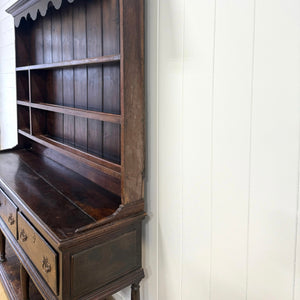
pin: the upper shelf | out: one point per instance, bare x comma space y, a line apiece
72, 63
94, 115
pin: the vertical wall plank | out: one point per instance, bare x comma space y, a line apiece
274, 181
150, 242
197, 115
171, 22
296, 288
231, 144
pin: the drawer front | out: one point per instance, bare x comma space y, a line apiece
8, 212
39, 251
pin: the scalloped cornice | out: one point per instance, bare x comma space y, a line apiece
23, 8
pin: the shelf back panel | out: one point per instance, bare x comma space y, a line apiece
101, 139
83, 29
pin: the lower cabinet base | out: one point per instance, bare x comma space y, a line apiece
19, 286
10, 278
11, 281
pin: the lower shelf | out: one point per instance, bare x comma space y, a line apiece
10, 278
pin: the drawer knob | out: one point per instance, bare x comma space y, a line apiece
46, 266
11, 219
23, 236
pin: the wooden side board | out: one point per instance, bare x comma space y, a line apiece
132, 99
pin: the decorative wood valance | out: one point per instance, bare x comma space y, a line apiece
24, 8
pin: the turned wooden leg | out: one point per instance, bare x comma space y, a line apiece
2, 247
24, 283
135, 291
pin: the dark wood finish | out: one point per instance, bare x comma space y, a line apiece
73, 63
135, 291
132, 86
40, 253
23, 118
95, 162
92, 115
99, 265
75, 181
22, 86
8, 212
10, 277
69, 202
24, 278
2, 247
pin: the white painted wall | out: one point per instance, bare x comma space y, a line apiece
223, 112
8, 115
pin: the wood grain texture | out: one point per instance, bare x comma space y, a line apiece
132, 81
40, 253
10, 286
75, 115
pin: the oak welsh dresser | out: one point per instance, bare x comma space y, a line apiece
72, 190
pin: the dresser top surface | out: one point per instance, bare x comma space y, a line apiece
62, 199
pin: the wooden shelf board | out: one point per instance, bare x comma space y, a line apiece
93, 115
102, 165
72, 63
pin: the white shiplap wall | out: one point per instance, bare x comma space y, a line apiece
223, 146
223, 116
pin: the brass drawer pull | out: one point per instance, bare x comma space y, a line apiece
23, 236
46, 266
11, 219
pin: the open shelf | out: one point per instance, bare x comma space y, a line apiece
23, 118
93, 115
72, 63
103, 165
22, 85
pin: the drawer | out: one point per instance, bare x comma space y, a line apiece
8, 212
39, 251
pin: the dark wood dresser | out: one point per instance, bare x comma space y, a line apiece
72, 191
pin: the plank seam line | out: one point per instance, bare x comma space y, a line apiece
157, 146
212, 144
181, 138
250, 148
297, 216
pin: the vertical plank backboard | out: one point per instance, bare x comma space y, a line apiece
274, 180
80, 73
57, 84
94, 49
68, 74
47, 38
36, 42
150, 240
231, 144
111, 78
